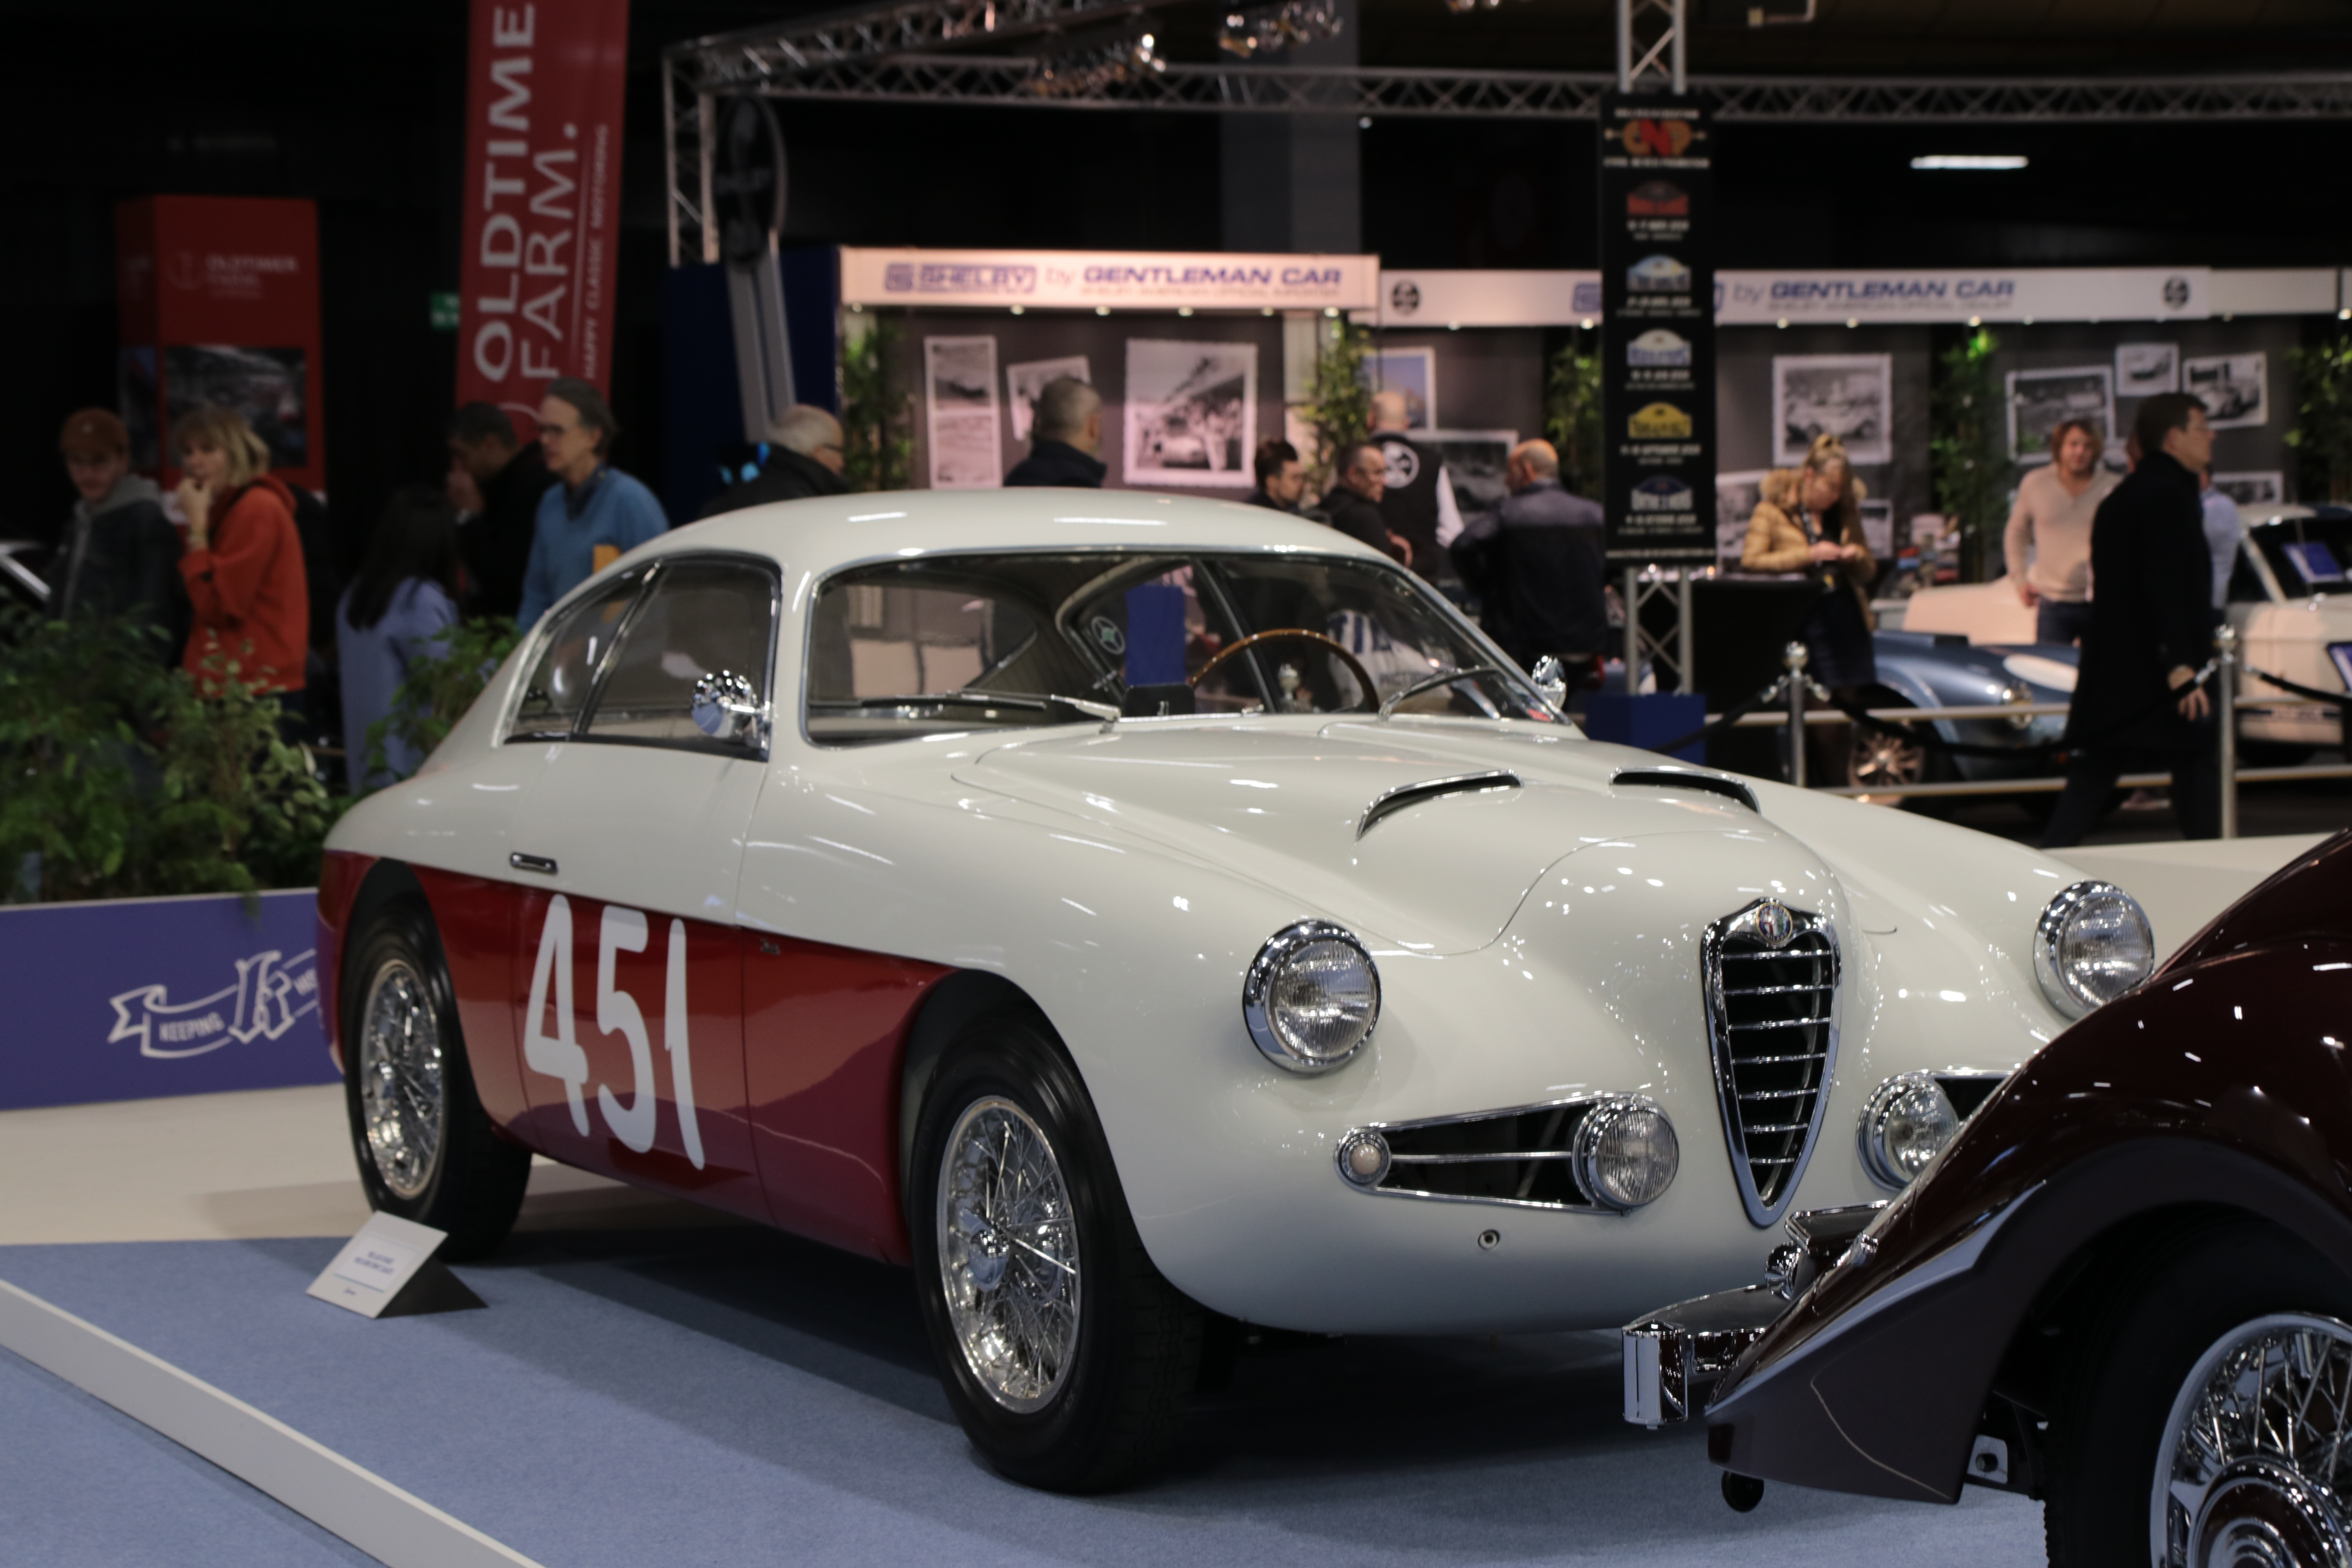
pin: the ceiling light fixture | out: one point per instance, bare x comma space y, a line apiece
1969, 160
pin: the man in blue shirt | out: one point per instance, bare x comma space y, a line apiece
596, 514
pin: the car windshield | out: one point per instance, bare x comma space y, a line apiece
2307, 554
957, 642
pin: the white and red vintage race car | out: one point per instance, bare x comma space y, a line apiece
1144, 916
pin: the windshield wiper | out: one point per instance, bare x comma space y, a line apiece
986, 699
1445, 676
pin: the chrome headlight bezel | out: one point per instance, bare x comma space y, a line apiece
1871, 1131
1258, 987
1607, 1115
2057, 922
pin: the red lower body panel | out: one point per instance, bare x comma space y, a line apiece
475, 919
341, 872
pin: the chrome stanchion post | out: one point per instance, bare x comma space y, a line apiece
1633, 631
1793, 656
1688, 663
2225, 702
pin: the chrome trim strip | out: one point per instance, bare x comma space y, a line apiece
1673, 778
539, 863
1390, 802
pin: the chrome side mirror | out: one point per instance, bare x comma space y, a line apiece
1551, 683
726, 708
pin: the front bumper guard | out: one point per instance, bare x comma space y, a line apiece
1675, 1356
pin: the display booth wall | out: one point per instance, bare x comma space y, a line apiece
1748, 416
1104, 343
1482, 379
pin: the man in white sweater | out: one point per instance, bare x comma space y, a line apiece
2047, 541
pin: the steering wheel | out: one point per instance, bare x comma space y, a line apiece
1371, 696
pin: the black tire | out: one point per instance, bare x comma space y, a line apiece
2109, 1433
1100, 1407
434, 1157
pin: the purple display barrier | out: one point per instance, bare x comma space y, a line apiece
132, 998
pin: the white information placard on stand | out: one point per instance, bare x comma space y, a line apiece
387, 1270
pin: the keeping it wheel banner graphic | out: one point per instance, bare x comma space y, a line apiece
542, 199
1657, 330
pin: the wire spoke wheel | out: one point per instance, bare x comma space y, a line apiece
402, 1099
1880, 760
1008, 1251
2253, 1469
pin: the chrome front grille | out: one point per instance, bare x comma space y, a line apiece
1770, 975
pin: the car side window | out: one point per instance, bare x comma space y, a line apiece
574, 651
701, 621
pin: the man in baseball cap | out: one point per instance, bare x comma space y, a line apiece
121, 554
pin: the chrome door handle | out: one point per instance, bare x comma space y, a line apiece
539, 863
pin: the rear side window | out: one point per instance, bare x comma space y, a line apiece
700, 618
565, 675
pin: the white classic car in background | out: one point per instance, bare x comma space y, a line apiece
1146, 916
2290, 600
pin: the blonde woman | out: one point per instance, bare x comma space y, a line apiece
244, 559
1814, 526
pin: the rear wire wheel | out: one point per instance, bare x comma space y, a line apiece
426, 1150
1066, 1354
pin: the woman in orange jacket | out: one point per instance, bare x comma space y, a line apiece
244, 559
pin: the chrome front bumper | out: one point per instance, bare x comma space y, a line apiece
1675, 1356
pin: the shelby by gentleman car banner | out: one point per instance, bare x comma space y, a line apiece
135, 999
542, 197
1082, 280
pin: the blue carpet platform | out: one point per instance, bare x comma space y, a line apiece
737, 1397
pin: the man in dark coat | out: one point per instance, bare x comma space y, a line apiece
804, 460
1418, 502
1354, 504
1065, 439
510, 478
2152, 628
1536, 565
120, 555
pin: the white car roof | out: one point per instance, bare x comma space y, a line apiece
818, 534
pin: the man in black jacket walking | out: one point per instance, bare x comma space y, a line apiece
1066, 441
804, 459
1536, 565
494, 543
2150, 630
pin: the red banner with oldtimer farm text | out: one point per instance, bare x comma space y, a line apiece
542, 197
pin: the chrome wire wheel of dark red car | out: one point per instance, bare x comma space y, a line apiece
1009, 1263
2253, 1466
403, 1098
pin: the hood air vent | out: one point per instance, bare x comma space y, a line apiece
1404, 796
1704, 784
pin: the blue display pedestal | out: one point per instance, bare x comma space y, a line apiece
1645, 721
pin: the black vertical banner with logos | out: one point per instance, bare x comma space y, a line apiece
1657, 329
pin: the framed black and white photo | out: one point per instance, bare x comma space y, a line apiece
1851, 396
2143, 370
1413, 371
2235, 388
1192, 413
959, 407
2253, 489
1736, 496
1022, 382
1474, 463
2041, 400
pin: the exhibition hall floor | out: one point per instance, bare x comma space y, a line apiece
652, 1382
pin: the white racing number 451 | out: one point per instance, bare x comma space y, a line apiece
559, 1056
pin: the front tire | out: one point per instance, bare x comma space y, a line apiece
1064, 1354
426, 1148
2208, 1432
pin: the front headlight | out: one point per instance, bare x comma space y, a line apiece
1906, 1124
1311, 997
1625, 1154
2091, 944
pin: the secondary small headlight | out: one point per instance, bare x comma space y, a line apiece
1311, 997
1625, 1153
2091, 944
1906, 1124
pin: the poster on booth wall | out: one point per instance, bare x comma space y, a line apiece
960, 411
1735, 498
2235, 388
2143, 370
2041, 400
542, 199
2253, 489
1413, 371
1023, 383
1851, 396
1476, 462
1192, 414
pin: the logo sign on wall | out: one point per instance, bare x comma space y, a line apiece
1657, 330
542, 197
1072, 279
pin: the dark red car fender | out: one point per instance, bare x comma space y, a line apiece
341, 872
2225, 1083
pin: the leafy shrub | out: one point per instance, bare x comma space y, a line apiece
438, 689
